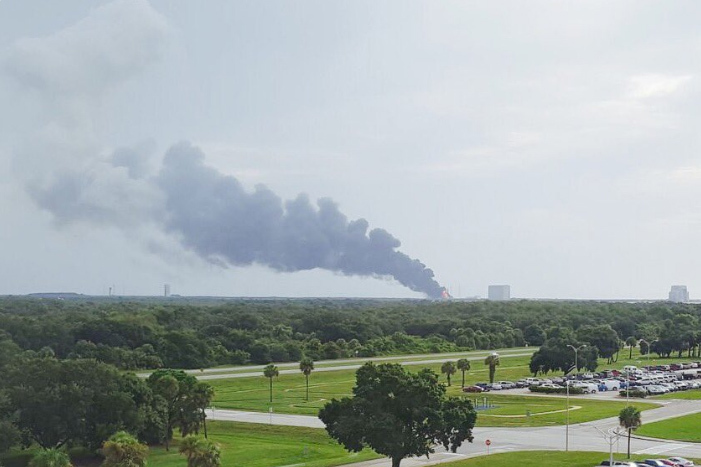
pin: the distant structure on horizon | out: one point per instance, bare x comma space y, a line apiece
499, 292
166, 290
678, 294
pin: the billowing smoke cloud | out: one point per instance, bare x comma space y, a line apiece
67, 172
218, 219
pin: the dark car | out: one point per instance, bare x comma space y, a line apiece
474, 389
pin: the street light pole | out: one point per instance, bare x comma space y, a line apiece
649, 348
576, 350
567, 390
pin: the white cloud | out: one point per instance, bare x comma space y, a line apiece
656, 85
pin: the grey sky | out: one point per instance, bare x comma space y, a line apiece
548, 145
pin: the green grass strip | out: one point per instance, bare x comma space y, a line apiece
685, 428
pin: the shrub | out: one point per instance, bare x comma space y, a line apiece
123, 450
200, 452
50, 458
641, 393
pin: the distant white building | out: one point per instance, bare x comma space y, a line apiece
499, 292
678, 294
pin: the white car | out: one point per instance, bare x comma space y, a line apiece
587, 387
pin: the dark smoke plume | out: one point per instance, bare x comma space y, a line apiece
65, 169
215, 217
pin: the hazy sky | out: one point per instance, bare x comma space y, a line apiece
549, 145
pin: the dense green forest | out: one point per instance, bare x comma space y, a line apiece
60, 359
190, 333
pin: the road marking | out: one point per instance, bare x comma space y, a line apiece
660, 449
574, 407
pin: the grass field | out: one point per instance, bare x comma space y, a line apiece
692, 394
684, 428
289, 396
519, 411
251, 445
289, 389
541, 459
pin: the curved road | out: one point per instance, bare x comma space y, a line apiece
582, 437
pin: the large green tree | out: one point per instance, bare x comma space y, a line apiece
630, 419
398, 414
74, 401
184, 398
603, 337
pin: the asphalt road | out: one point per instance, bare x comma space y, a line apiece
590, 436
293, 368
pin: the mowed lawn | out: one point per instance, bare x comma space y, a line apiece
252, 393
519, 411
253, 445
691, 394
685, 428
289, 396
541, 459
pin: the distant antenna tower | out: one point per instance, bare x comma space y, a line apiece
166, 290
110, 291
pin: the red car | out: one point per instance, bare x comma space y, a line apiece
474, 389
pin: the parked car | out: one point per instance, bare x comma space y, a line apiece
588, 388
495, 387
654, 462
474, 389
507, 384
610, 385
681, 461
668, 462
655, 389
626, 463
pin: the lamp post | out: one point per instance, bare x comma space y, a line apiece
567, 385
649, 348
576, 350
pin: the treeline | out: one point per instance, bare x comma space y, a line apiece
195, 334
62, 404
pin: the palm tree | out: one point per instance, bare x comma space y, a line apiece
202, 396
631, 342
200, 452
463, 365
493, 362
123, 450
448, 368
270, 372
306, 365
630, 419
